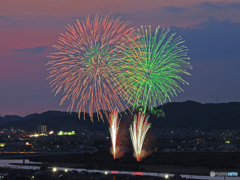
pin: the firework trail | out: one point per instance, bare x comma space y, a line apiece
162, 59
113, 129
138, 131
88, 66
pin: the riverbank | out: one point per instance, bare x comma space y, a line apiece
202, 171
156, 172
166, 169
69, 165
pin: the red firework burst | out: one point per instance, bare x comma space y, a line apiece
88, 65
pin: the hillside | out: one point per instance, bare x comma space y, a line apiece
194, 114
9, 118
180, 114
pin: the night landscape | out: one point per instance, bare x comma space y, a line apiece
119, 90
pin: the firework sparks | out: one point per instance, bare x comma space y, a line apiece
88, 66
113, 129
163, 58
138, 131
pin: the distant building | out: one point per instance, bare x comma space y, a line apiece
41, 128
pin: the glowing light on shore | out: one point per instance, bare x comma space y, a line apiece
54, 169
113, 129
138, 131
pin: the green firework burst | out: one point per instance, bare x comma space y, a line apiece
161, 59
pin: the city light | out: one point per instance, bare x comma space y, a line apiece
2, 144
166, 176
60, 133
36, 135
66, 170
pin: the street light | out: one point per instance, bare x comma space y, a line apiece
166, 176
54, 169
54, 172
66, 170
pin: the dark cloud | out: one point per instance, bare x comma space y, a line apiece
219, 6
173, 9
213, 6
5, 18
212, 40
35, 50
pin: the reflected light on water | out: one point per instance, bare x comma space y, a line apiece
137, 173
114, 172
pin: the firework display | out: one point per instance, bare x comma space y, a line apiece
113, 129
102, 63
138, 131
162, 60
88, 66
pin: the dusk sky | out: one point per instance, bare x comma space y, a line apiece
29, 29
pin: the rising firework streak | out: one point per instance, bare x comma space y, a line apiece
138, 131
113, 128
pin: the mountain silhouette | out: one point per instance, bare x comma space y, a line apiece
9, 118
12, 117
177, 114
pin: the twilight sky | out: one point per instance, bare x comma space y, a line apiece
29, 29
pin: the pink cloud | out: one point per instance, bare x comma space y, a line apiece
73, 7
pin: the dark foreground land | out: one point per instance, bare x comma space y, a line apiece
22, 174
194, 163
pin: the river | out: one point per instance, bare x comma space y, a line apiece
6, 163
